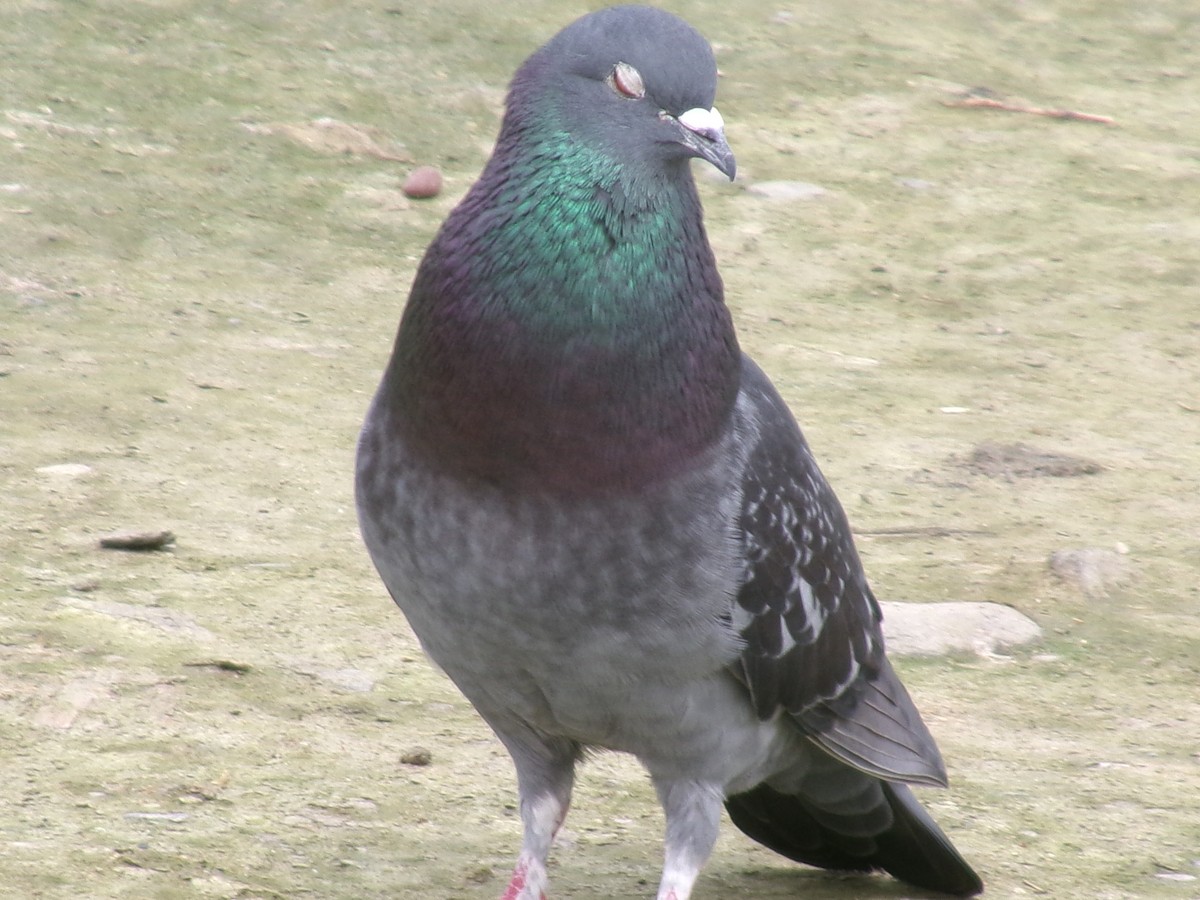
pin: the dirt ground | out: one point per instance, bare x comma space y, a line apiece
204, 255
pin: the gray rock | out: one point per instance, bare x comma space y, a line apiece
168, 620
1094, 570
65, 470
786, 190
932, 629
349, 679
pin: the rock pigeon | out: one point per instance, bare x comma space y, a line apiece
596, 512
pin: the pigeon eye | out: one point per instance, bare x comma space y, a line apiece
627, 80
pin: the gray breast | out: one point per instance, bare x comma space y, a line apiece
551, 611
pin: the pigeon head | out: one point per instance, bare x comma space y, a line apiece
635, 82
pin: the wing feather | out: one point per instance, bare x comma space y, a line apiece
810, 626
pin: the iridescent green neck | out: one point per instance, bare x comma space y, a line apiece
582, 250
566, 327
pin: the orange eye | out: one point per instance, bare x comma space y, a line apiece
627, 80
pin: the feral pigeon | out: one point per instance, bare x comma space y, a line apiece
599, 516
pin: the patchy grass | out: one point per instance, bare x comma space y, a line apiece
195, 304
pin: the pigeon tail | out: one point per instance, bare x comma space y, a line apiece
912, 847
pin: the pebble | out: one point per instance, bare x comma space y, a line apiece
137, 540
65, 470
158, 816
1094, 570
417, 756
168, 620
786, 190
347, 679
422, 182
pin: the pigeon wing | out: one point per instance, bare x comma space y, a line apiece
813, 643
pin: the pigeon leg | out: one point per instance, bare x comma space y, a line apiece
545, 777
693, 811
541, 816
526, 882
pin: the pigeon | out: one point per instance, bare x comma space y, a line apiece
598, 515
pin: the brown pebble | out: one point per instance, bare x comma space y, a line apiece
422, 182
417, 756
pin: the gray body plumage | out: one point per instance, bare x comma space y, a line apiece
604, 621
614, 622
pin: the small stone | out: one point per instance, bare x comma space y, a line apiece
422, 182
158, 816
65, 470
417, 756
787, 190
345, 679
348, 679
1022, 461
168, 620
137, 540
222, 665
1094, 570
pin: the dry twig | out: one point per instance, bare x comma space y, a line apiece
977, 99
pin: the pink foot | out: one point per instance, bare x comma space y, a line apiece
517, 884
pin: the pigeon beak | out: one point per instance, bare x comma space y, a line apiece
704, 135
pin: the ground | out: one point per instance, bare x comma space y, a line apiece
205, 253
